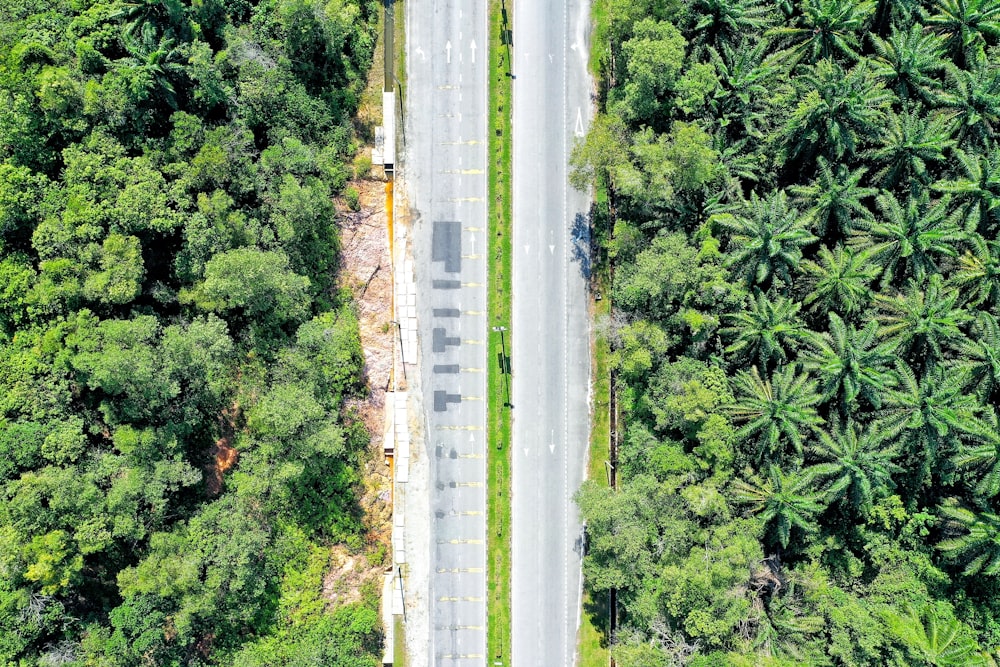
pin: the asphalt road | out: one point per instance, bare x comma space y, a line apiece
444, 168
550, 329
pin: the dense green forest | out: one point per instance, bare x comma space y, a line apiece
802, 202
168, 252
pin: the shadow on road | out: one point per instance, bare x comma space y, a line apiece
580, 238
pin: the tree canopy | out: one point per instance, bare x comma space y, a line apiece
176, 460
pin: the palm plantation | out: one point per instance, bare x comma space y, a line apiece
820, 397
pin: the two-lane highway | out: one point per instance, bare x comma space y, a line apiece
550, 329
444, 168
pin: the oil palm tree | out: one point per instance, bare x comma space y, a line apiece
967, 26
931, 417
767, 331
850, 363
973, 96
976, 191
746, 81
152, 66
921, 322
857, 463
981, 460
909, 239
767, 238
825, 29
835, 111
909, 61
909, 144
783, 501
834, 199
973, 538
978, 275
890, 13
979, 357
723, 21
931, 641
840, 279
776, 412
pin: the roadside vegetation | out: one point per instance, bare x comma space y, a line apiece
498, 441
175, 460
804, 213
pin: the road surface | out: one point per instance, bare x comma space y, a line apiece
551, 359
444, 168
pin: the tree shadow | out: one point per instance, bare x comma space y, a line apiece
580, 244
596, 607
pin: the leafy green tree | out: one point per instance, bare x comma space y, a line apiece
840, 280
857, 463
783, 502
850, 363
653, 59
767, 331
826, 29
258, 283
774, 413
834, 199
767, 238
909, 62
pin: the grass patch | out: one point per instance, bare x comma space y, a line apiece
398, 643
499, 290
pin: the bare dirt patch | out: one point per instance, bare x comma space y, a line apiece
366, 271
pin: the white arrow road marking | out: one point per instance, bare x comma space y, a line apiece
579, 122
525, 451
526, 246
472, 45
552, 249
420, 52
447, 48
573, 46
472, 242
550, 58
552, 444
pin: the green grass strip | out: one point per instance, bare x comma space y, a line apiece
498, 441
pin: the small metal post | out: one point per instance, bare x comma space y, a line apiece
504, 367
402, 358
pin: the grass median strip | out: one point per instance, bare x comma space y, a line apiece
499, 231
